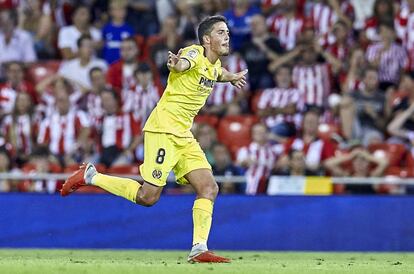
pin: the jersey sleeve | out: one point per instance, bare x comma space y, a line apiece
192, 55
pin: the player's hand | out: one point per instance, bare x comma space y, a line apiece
239, 79
173, 59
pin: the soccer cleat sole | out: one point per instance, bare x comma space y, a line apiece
208, 257
74, 182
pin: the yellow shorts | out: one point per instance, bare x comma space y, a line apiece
164, 152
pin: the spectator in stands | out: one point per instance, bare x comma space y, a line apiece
383, 11
46, 93
41, 162
187, 20
15, 44
167, 40
325, 13
77, 70
223, 166
287, 25
316, 151
259, 51
361, 160
5, 166
401, 127
387, 56
115, 31
309, 75
91, 101
225, 94
119, 132
19, 128
121, 73
15, 84
405, 29
36, 18
144, 96
296, 165
238, 18
66, 131
280, 106
69, 35
357, 65
259, 158
142, 16
363, 113
339, 44
206, 136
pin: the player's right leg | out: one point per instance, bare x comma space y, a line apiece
145, 194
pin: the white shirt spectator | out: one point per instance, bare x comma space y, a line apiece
73, 70
68, 37
20, 48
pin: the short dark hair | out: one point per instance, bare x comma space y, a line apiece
82, 38
112, 92
142, 68
92, 70
207, 24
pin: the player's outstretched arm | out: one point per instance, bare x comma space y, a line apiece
236, 79
177, 64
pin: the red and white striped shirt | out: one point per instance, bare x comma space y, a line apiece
46, 106
313, 82
61, 131
287, 30
392, 61
224, 93
7, 98
264, 158
94, 107
315, 152
324, 17
118, 130
280, 98
403, 22
140, 101
21, 131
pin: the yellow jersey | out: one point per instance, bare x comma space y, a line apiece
185, 94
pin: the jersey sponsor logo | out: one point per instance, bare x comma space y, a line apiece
157, 174
206, 82
192, 53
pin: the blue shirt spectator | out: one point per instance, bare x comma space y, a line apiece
114, 32
239, 22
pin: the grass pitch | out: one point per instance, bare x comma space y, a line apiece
172, 262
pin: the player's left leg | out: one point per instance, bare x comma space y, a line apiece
206, 189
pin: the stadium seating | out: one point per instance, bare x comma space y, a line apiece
212, 120
394, 153
326, 131
39, 71
234, 131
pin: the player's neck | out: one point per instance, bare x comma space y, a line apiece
210, 55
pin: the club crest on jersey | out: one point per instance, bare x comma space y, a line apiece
192, 53
157, 174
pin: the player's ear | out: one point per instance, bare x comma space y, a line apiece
206, 39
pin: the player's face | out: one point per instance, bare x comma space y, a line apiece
220, 39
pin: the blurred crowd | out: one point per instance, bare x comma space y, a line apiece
331, 87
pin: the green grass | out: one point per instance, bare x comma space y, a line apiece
172, 262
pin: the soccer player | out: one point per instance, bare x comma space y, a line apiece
168, 142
